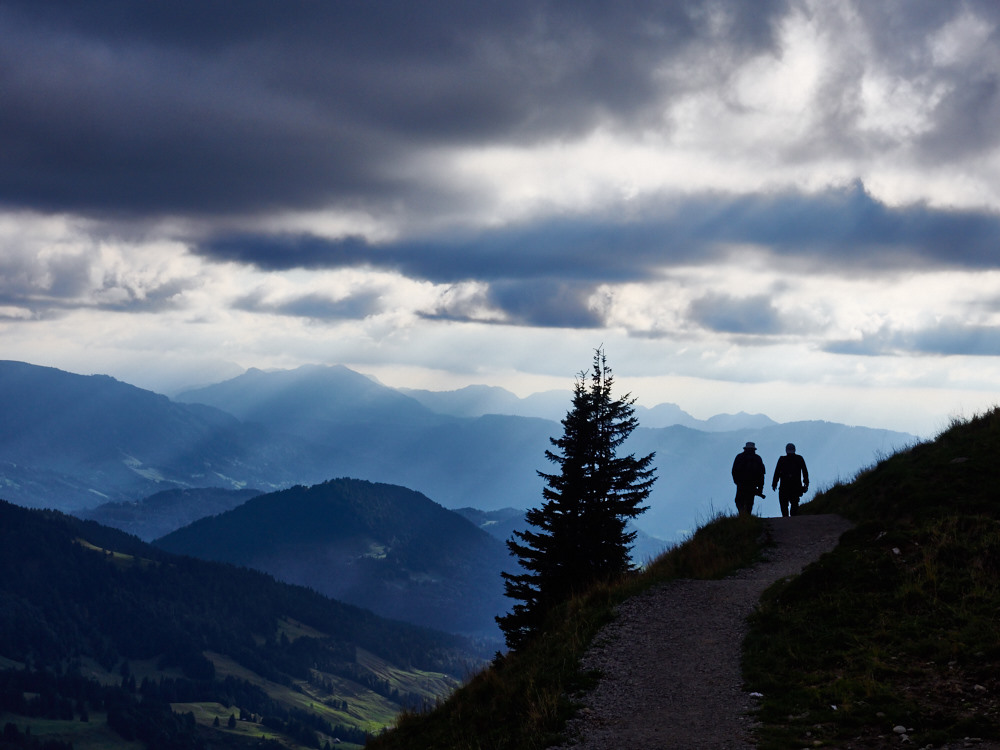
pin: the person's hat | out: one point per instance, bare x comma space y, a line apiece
750, 445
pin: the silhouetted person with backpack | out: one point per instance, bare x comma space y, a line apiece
748, 476
793, 475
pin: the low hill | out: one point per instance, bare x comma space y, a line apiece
159, 514
380, 546
94, 621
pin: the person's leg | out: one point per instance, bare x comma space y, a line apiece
744, 501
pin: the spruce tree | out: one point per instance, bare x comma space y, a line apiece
578, 536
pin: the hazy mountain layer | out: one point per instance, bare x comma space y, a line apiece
73, 442
491, 461
479, 400
159, 514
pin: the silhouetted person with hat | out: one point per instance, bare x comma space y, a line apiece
748, 475
793, 475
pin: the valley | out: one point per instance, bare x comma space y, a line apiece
307, 551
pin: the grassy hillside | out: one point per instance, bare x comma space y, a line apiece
522, 701
900, 626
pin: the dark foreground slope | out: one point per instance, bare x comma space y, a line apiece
380, 546
900, 627
897, 629
522, 702
95, 608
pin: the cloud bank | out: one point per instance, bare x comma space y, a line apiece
383, 183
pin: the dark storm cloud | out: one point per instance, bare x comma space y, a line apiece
585, 249
203, 107
538, 303
315, 306
947, 338
850, 228
546, 304
842, 231
755, 315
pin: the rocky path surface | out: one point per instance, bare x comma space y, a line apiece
670, 662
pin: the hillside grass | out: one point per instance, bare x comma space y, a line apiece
524, 699
94, 734
900, 625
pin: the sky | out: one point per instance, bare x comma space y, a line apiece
789, 208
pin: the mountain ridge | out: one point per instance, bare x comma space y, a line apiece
480, 400
125, 444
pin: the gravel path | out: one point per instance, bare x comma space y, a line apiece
670, 662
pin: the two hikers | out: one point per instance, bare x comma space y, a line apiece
748, 476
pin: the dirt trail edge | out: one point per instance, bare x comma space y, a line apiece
670, 662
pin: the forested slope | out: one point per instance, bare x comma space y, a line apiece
100, 606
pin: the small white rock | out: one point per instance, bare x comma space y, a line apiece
899, 729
